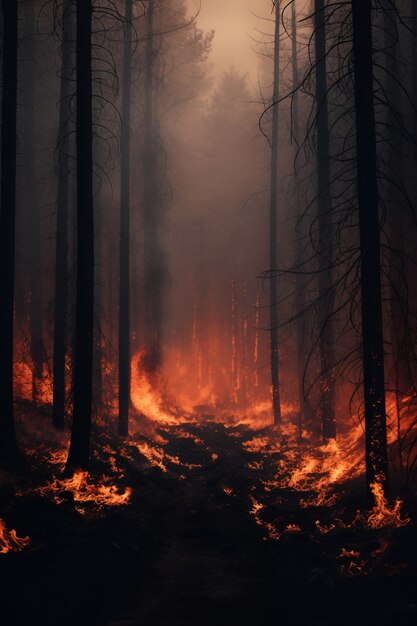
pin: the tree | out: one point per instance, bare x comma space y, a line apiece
124, 284
79, 452
61, 248
273, 219
154, 265
37, 350
301, 286
368, 206
324, 204
8, 444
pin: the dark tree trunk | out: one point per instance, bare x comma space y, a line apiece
325, 217
61, 249
8, 445
400, 378
301, 285
124, 284
37, 351
368, 204
98, 297
273, 223
79, 451
154, 270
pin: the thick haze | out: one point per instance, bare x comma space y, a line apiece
234, 24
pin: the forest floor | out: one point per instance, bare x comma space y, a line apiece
213, 533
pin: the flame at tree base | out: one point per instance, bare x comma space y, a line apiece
382, 515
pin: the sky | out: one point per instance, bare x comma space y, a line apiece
234, 25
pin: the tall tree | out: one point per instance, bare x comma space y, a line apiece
124, 281
61, 248
301, 286
273, 223
37, 351
8, 444
368, 205
154, 270
79, 451
325, 217
396, 206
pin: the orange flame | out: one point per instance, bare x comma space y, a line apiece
382, 515
9, 541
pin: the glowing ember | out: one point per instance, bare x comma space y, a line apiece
324, 529
270, 528
292, 528
9, 541
382, 514
350, 553
157, 456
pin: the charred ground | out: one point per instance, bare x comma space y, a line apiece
206, 533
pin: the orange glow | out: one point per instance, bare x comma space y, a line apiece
270, 528
23, 383
382, 515
9, 541
101, 494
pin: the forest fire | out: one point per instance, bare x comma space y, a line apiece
208, 312
9, 541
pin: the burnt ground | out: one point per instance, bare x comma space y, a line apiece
187, 551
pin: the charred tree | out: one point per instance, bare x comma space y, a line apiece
124, 250
79, 451
273, 224
400, 370
368, 206
325, 217
37, 350
301, 286
154, 270
8, 444
61, 248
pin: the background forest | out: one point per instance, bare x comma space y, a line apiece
208, 307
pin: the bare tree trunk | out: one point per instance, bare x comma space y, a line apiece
324, 205
400, 366
124, 284
61, 249
368, 204
37, 350
8, 444
301, 286
154, 265
79, 451
273, 220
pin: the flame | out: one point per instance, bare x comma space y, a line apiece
292, 528
382, 515
157, 456
102, 494
23, 383
9, 541
257, 507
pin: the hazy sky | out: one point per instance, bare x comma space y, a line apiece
234, 24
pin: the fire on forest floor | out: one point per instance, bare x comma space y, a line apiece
287, 487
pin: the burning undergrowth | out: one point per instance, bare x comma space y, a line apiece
306, 497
